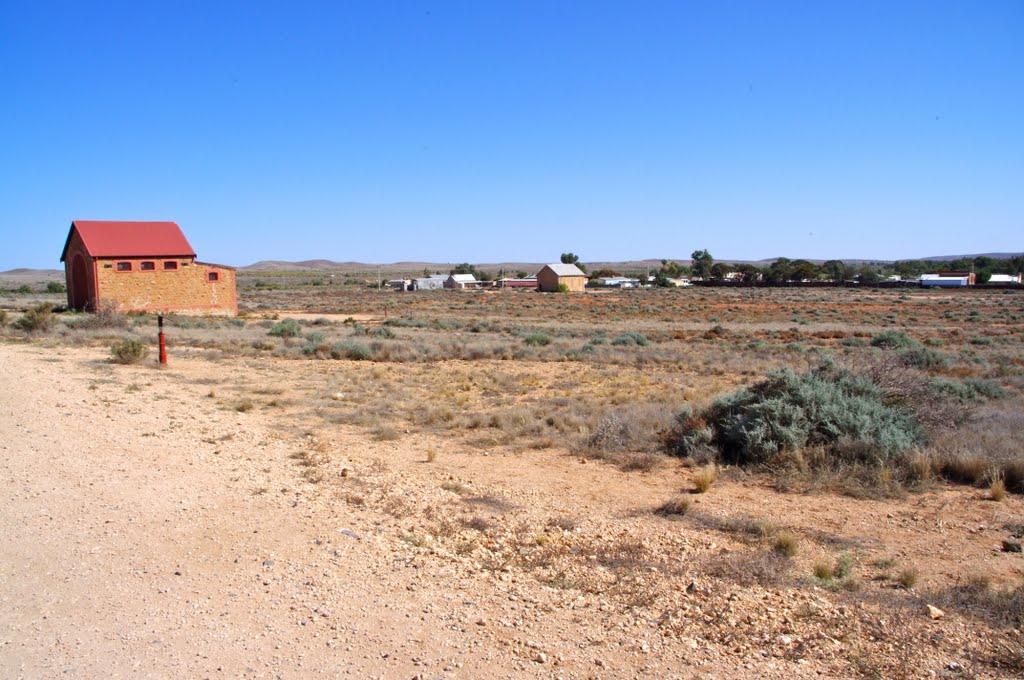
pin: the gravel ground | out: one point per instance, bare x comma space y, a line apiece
149, 531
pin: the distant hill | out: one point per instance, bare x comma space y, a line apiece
947, 258
23, 273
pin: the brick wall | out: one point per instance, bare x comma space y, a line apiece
185, 289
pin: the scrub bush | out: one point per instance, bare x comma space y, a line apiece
128, 351
630, 339
893, 340
38, 319
351, 350
830, 408
968, 390
286, 328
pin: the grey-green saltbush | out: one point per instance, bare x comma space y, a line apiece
828, 407
351, 350
968, 390
286, 328
631, 338
537, 338
922, 357
893, 340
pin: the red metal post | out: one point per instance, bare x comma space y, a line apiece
163, 345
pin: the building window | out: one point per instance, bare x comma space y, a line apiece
212, 276
147, 266
124, 266
170, 265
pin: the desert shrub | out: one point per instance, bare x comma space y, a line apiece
924, 358
23, 289
893, 340
631, 338
55, 287
980, 340
38, 319
351, 350
627, 429
538, 339
674, 507
963, 469
968, 390
827, 407
286, 328
128, 351
563, 288
1003, 606
3, 318
763, 567
381, 332
107, 314
316, 345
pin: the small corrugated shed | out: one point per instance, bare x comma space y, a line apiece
551, 276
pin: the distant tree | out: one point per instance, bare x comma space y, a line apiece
521, 274
702, 262
834, 270
464, 268
604, 274
982, 275
982, 262
719, 271
751, 273
573, 258
779, 270
868, 275
670, 270
1016, 264
801, 270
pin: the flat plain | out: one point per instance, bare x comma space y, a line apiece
486, 484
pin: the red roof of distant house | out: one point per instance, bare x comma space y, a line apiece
131, 239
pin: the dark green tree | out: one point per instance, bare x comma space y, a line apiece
779, 270
719, 271
573, 258
834, 269
801, 270
702, 263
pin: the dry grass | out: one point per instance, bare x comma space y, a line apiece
908, 577
704, 478
997, 490
786, 544
675, 507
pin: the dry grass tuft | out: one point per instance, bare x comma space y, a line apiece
786, 544
704, 478
997, 491
675, 507
908, 577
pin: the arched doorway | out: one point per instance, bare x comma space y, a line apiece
79, 284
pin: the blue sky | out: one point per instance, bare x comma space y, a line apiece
486, 131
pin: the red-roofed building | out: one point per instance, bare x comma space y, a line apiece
143, 266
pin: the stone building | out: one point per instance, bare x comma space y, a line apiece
143, 266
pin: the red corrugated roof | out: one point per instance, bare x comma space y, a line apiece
131, 239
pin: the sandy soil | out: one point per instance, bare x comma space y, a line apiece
149, 531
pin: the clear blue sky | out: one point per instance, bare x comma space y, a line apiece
491, 130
